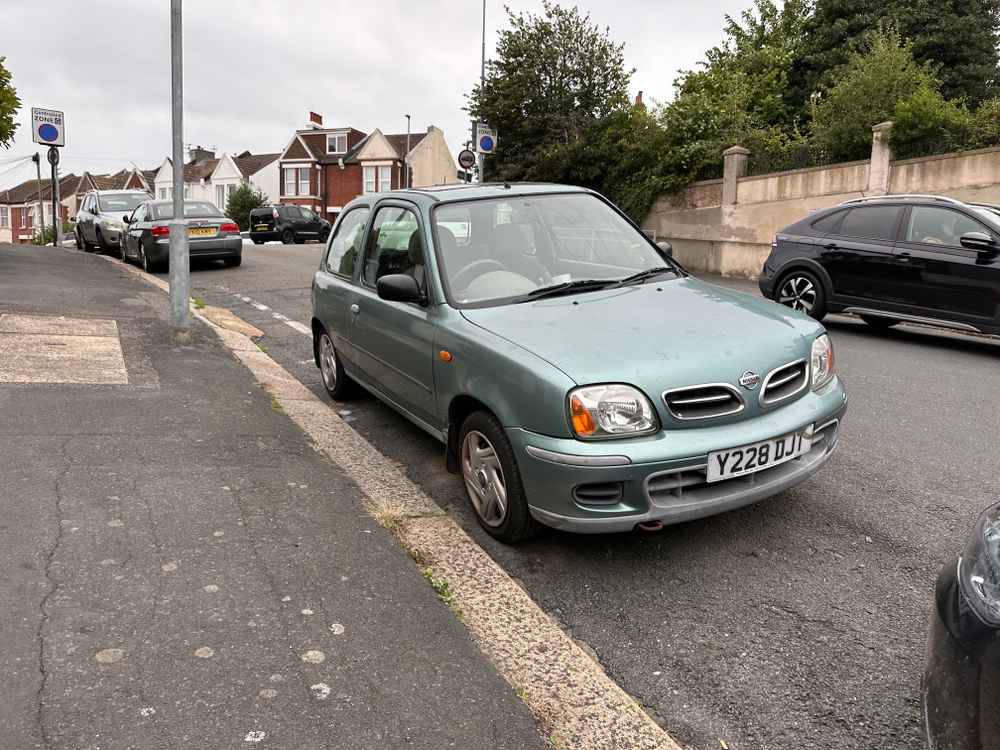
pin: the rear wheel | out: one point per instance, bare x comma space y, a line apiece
102, 245
338, 383
288, 237
802, 291
493, 481
233, 262
879, 323
258, 242
147, 265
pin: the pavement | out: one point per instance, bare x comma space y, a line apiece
797, 622
181, 567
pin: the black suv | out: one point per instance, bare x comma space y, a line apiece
915, 258
290, 224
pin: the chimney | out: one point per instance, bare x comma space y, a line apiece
315, 120
431, 128
638, 100
197, 154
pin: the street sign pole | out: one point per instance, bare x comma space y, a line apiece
54, 161
180, 269
38, 181
480, 159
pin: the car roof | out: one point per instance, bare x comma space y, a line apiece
119, 192
467, 191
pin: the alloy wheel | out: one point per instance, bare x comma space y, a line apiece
798, 293
143, 259
327, 362
484, 478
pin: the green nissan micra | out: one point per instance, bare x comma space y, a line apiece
578, 376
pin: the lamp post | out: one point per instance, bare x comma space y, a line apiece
406, 161
180, 268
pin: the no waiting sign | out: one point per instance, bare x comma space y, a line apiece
47, 127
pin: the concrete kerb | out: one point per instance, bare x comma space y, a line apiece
568, 692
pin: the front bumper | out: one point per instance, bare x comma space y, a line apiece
560, 473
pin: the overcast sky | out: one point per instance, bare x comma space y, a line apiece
253, 70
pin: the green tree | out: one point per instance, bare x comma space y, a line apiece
957, 37
9, 106
242, 201
866, 93
554, 76
927, 123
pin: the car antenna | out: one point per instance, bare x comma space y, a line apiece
506, 186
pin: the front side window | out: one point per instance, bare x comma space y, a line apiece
308, 215
940, 226
871, 222
500, 251
384, 179
293, 212
395, 245
345, 245
336, 143
369, 175
303, 180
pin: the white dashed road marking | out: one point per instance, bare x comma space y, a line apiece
293, 324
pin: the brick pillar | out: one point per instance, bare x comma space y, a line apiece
734, 166
878, 167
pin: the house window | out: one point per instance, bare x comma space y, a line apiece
289, 182
163, 194
384, 179
220, 196
4, 216
336, 143
230, 189
187, 191
304, 181
25, 218
369, 186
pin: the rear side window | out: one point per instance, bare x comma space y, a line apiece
871, 222
828, 223
293, 213
345, 245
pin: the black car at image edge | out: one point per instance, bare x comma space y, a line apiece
890, 259
288, 224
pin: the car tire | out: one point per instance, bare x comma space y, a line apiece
336, 381
258, 242
102, 246
121, 251
492, 479
288, 237
879, 323
147, 265
80, 244
233, 262
801, 290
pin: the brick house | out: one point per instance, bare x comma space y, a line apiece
325, 168
19, 219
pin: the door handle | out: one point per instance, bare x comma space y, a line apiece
355, 309
830, 246
904, 257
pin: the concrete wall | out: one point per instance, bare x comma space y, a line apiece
734, 239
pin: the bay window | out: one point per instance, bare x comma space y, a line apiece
384, 179
369, 174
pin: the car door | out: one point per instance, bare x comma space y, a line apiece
858, 257
335, 285
86, 219
295, 221
133, 231
939, 278
310, 224
394, 341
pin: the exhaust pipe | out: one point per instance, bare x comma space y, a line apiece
650, 526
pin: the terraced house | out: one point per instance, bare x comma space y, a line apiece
325, 168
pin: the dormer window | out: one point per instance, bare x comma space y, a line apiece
336, 143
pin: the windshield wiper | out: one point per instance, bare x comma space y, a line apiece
643, 275
569, 286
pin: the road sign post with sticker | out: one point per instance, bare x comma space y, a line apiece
48, 127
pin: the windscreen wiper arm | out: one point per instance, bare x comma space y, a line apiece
643, 275
569, 286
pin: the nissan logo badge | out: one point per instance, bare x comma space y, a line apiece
749, 380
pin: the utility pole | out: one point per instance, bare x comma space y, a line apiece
38, 181
406, 161
180, 264
480, 158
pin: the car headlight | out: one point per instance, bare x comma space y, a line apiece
606, 411
821, 361
979, 568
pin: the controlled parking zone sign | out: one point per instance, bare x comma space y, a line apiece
486, 140
47, 127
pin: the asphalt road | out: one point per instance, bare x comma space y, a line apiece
797, 622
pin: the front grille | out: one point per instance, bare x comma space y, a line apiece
784, 382
690, 485
598, 493
703, 401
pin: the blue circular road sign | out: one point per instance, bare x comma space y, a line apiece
486, 143
48, 132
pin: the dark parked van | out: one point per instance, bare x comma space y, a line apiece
290, 224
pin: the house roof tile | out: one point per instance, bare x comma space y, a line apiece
249, 164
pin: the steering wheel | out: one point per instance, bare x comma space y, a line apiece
476, 268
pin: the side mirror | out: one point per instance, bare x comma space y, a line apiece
126, 219
978, 241
72, 219
398, 287
666, 248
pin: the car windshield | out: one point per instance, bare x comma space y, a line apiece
512, 249
192, 210
117, 203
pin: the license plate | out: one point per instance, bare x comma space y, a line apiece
201, 231
735, 462
260, 228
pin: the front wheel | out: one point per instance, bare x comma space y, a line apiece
80, 245
879, 323
802, 291
337, 383
493, 481
288, 237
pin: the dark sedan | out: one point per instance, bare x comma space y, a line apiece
961, 689
211, 234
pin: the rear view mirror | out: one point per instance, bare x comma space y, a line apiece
73, 219
666, 248
399, 287
978, 241
126, 219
